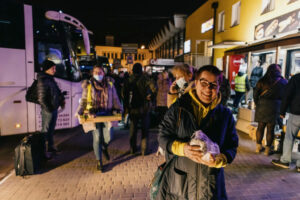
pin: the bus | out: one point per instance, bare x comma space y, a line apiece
28, 36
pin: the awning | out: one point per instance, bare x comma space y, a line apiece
227, 44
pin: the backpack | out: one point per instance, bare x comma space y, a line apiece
31, 93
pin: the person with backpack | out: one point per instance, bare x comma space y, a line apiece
99, 97
50, 98
138, 91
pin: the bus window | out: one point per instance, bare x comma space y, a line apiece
12, 33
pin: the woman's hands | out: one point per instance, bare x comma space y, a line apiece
173, 88
193, 153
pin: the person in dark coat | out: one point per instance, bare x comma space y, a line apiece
256, 74
267, 96
189, 176
290, 104
50, 98
138, 92
225, 90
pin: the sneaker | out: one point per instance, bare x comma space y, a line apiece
278, 163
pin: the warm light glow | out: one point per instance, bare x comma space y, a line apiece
143, 47
18, 125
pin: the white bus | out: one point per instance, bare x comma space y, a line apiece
28, 36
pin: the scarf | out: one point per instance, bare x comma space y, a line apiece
200, 111
99, 95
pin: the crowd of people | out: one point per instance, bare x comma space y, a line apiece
185, 100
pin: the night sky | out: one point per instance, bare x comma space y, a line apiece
127, 21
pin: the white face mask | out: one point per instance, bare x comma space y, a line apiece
98, 77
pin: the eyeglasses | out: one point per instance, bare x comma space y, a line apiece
205, 83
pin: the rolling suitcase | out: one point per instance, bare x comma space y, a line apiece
29, 154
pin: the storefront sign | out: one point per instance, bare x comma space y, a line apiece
129, 48
206, 26
187, 46
282, 24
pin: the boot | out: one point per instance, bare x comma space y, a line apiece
259, 148
99, 166
268, 151
106, 155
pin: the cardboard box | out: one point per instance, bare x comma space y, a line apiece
246, 114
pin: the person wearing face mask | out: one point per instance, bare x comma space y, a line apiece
182, 83
99, 97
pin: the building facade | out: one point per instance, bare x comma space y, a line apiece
265, 30
124, 60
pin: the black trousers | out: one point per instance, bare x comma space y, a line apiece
134, 120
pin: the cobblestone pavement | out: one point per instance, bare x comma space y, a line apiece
72, 174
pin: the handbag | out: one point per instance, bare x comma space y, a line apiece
158, 176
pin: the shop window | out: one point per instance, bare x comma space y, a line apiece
235, 15
122, 56
221, 21
104, 54
135, 56
143, 57
267, 6
108, 55
116, 55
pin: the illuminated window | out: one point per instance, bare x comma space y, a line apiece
235, 14
267, 6
221, 21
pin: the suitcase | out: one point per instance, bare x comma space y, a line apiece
29, 154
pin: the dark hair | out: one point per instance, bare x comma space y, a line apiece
209, 68
47, 64
271, 76
137, 68
98, 66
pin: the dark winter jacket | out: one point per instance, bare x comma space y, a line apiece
136, 90
268, 105
256, 74
186, 179
225, 90
50, 96
291, 100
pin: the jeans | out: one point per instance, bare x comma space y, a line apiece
134, 119
237, 99
98, 141
48, 126
292, 128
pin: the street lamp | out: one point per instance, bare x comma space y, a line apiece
143, 47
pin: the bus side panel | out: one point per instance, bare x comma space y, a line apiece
76, 96
12, 69
29, 64
13, 118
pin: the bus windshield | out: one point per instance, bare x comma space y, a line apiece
54, 40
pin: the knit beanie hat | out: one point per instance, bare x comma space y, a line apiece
47, 64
